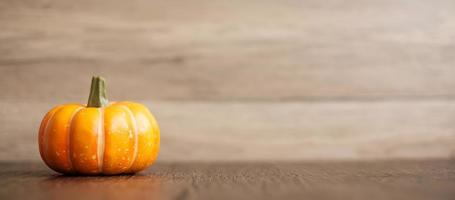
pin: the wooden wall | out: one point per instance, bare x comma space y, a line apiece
241, 80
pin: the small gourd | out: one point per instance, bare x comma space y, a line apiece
99, 138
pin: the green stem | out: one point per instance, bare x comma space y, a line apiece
97, 98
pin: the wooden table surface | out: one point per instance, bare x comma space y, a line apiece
430, 179
247, 93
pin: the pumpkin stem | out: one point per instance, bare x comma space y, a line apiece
97, 96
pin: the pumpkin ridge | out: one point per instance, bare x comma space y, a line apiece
155, 132
136, 134
43, 133
68, 144
59, 115
101, 141
46, 134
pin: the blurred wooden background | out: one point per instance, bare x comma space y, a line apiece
241, 80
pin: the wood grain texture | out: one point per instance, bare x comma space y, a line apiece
246, 92
229, 50
220, 131
241, 80
429, 179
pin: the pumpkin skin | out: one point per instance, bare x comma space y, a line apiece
122, 137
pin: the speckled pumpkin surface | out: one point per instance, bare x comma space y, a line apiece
100, 138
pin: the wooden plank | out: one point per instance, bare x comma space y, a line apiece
234, 50
429, 179
220, 131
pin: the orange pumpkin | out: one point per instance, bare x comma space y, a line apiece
100, 138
